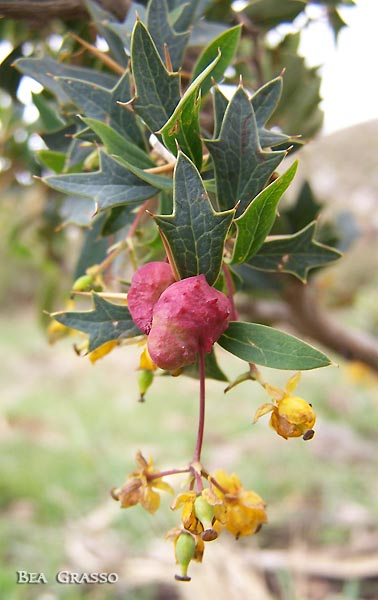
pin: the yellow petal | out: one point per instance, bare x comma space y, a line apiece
264, 409
162, 485
274, 392
293, 382
212, 495
146, 361
102, 351
252, 500
141, 461
231, 483
150, 500
182, 499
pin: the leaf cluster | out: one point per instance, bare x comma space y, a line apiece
128, 131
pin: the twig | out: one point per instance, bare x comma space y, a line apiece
105, 58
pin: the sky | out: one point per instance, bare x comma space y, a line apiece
349, 86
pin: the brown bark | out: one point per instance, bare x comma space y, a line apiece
44, 10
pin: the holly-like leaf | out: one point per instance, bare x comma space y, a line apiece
46, 71
112, 185
157, 91
266, 346
257, 220
264, 103
105, 323
183, 128
119, 145
242, 168
296, 254
226, 44
195, 233
97, 102
161, 31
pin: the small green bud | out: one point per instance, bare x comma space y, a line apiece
184, 551
145, 379
205, 513
83, 283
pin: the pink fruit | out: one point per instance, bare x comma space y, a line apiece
147, 285
188, 315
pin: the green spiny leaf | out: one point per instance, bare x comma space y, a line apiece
194, 232
157, 91
296, 254
162, 32
242, 168
264, 103
112, 185
183, 126
227, 44
101, 104
107, 322
257, 220
46, 70
266, 346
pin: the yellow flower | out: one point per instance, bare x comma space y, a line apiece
291, 416
241, 512
138, 488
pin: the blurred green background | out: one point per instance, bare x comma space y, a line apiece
69, 432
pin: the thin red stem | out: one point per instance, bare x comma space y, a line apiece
168, 472
201, 418
138, 217
230, 291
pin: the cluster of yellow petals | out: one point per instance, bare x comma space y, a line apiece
139, 487
241, 512
291, 416
223, 505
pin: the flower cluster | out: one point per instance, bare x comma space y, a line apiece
223, 505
